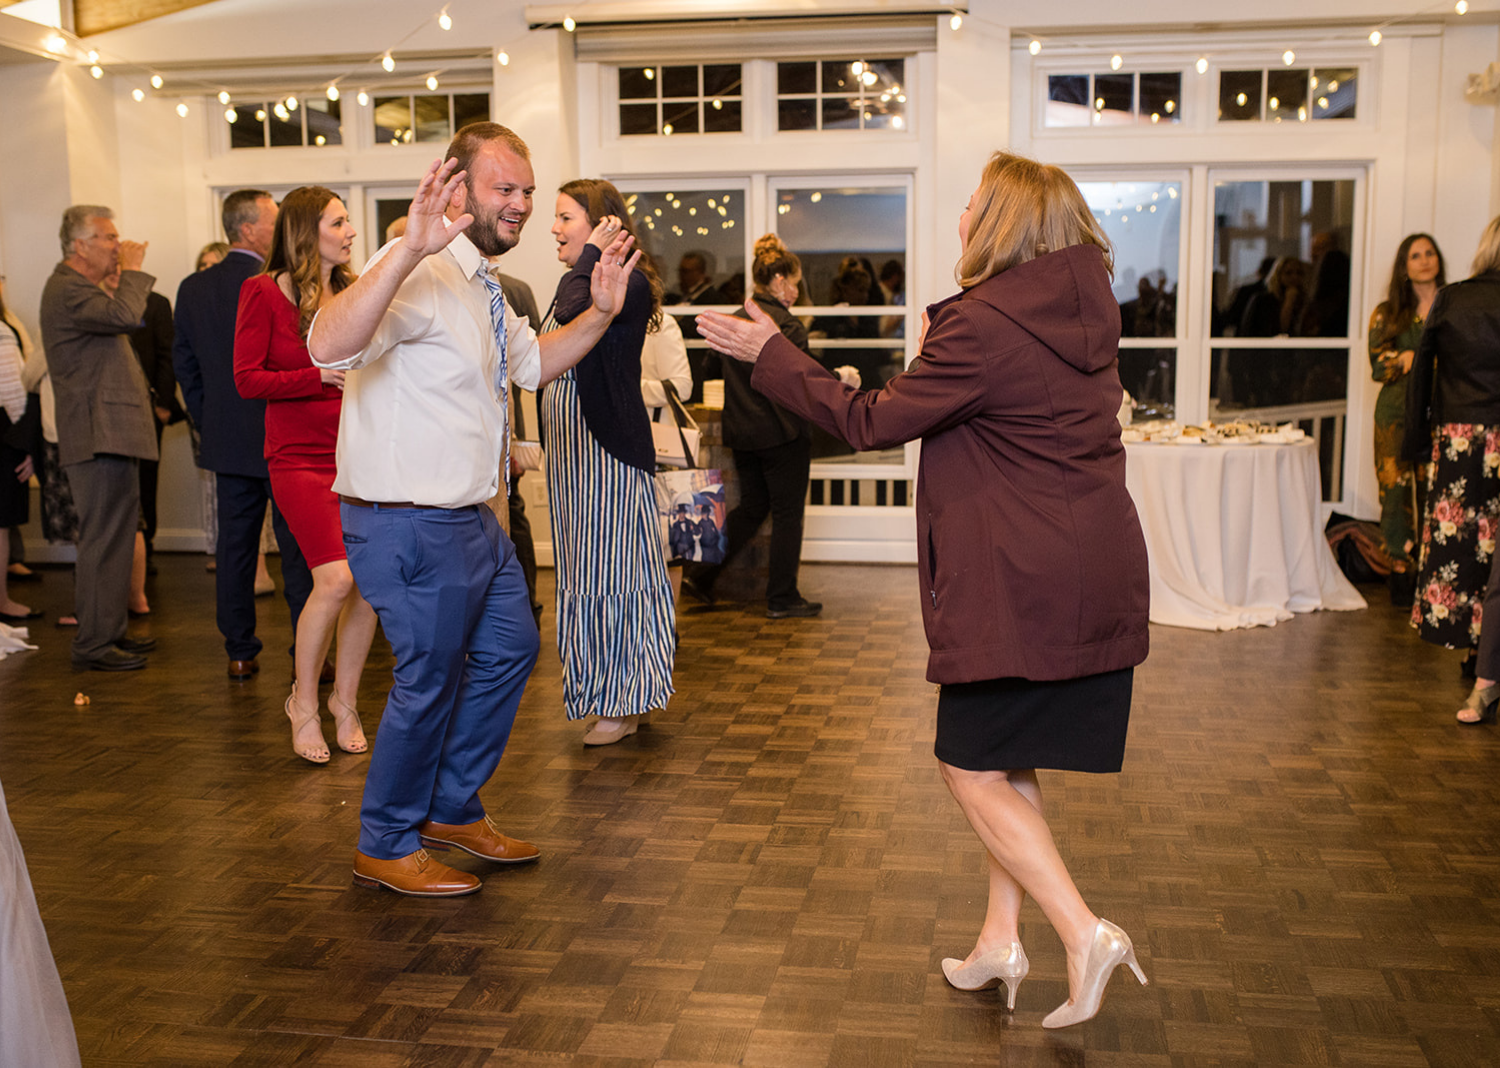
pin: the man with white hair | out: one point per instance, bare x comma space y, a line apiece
104, 422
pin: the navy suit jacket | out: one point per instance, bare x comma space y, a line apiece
233, 429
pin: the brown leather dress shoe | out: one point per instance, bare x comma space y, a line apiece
482, 839
416, 874
243, 669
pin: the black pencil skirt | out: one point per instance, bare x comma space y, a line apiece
1011, 724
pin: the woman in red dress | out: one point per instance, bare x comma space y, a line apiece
308, 264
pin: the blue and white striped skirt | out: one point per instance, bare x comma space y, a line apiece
616, 625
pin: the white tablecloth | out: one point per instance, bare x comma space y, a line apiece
1234, 534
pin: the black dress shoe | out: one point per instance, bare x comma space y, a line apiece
109, 660
136, 646
20, 617
799, 609
696, 590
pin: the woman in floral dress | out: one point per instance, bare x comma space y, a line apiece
1395, 329
1453, 420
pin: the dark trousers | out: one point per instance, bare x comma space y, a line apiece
520, 536
242, 511
106, 491
452, 601
149, 471
772, 482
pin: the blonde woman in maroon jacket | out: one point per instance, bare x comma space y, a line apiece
1031, 560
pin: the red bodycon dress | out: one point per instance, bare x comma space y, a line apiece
302, 416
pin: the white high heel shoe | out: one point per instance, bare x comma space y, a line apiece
1109, 949
1006, 965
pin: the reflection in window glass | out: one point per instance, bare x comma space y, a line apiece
722, 116
285, 125
684, 99
1286, 95
393, 120
248, 130
470, 107
1239, 95
432, 118
841, 94
852, 244
1068, 101
1161, 97
637, 83
696, 239
1334, 90
323, 126
1114, 99
1143, 220
1281, 258
1150, 377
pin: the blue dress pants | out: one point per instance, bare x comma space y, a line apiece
452, 601
242, 512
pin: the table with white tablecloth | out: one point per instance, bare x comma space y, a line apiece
1234, 533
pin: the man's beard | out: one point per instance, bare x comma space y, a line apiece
484, 233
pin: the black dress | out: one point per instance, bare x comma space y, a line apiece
1011, 724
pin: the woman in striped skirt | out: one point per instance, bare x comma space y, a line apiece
615, 619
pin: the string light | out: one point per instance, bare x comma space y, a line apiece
1462, 7
1116, 61
291, 103
97, 71
1034, 47
444, 21
182, 110
94, 53
1375, 37
333, 92
1202, 65
230, 115
503, 58
57, 44
156, 82
223, 96
956, 22
1289, 57
569, 24
432, 82
388, 63
363, 99
138, 95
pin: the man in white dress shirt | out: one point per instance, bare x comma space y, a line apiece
421, 445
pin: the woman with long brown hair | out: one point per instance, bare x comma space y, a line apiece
307, 265
616, 629
1031, 559
1395, 329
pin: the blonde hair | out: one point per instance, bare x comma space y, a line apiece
1024, 209
1487, 258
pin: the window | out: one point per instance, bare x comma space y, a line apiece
284, 123
841, 95
406, 119
1288, 94
695, 98
1143, 221
1114, 99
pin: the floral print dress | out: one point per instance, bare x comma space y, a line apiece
1398, 525
1458, 534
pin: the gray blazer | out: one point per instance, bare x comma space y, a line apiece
103, 402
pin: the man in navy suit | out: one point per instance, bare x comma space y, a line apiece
233, 429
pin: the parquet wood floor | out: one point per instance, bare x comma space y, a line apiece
1304, 845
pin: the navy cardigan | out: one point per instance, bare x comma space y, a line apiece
609, 377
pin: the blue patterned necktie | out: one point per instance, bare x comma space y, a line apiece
502, 384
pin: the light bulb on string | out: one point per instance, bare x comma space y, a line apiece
230, 115
1202, 65
57, 44
1462, 7
94, 53
156, 82
432, 82
956, 21
223, 96
387, 62
138, 95
1289, 57
182, 110
363, 99
1034, 47
503, 58
1375, 37
444, 20
333, 92
1116, 61
291, 103
569, 24
281, 112
97, 71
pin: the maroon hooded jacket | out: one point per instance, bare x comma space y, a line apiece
1031, 559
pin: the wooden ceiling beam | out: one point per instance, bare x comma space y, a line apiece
97, 16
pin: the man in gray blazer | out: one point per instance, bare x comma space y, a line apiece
104, 422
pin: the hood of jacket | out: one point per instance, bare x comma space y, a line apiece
1064, 300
